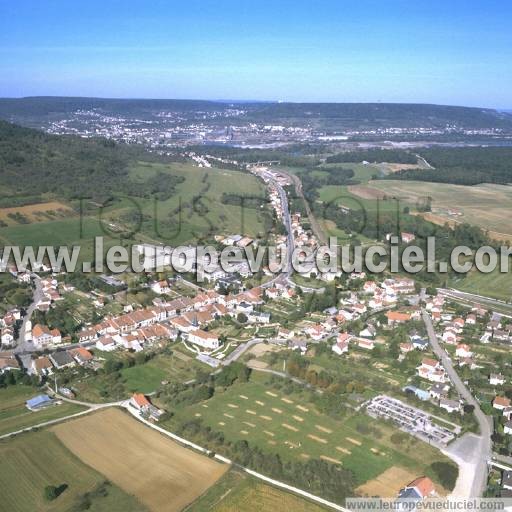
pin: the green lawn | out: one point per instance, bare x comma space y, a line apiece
32, 461
15, 416
292, 427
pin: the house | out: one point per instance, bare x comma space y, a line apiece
106, 344
161, 287
496, 379
449, 405
407, 238
342, 343
418, 489
62, 359
81, 355
365, 343
396, 317
419, 343
439, 390
285, 333
41, 366
42, 335
431, 370
8, 362
449, 337
368, 332
299, 344
7, 336
140, 402
500, 403
507, 428
463, 350
204, 339
471, 319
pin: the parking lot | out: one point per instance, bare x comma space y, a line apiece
410, 419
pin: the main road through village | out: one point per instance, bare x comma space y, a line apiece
473, 466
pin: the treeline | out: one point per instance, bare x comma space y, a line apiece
374, 155
243, 200
463, 166
315, 476
34, 163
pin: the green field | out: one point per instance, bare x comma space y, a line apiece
237, 492
32, 461
15, 416
495, 284
179, 219
292, 427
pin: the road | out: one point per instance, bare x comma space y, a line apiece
482, 447
37, 296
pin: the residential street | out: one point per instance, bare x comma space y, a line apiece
478, 452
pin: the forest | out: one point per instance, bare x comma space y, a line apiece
463, 166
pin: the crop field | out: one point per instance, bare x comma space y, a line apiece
15, 416
39, 212
32, 461
294, 429
487, 206
163, 475
237, 492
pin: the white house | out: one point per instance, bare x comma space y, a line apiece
204, 339
496, 379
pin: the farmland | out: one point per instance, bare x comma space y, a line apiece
194, 211
32, 461
486, 206
291, 426
15, 416
237, 492
160, 473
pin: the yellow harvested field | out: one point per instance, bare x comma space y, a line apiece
275, 409
244, 397
271, 434
233, 406
305, 456
268, 418
221, 423
289, 427
250, 411
287, 400
297, 418
323, 429
252, 425
302, 408
270, 393
244, 432
388, 483
259, 402
317, 439
228, 415
353, 441
343, 450
163, 475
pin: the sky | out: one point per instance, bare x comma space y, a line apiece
456, 52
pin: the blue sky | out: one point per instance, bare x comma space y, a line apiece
449, 52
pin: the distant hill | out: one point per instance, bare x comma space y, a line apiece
34, 110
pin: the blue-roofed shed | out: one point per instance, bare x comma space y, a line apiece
420, 393
39, 401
